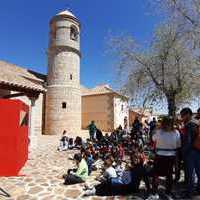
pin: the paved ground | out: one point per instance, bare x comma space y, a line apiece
43, 176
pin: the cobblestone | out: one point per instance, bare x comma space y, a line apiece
43, 176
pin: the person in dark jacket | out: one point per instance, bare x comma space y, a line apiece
191, 156
99, 135
152, 127
92, 130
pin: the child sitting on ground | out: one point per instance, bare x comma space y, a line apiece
78, 175
71, 143
78, 142
104, 188
122, 185
98, 163
89, 159
63, 142
109, 171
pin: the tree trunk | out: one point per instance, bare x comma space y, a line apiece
171, 105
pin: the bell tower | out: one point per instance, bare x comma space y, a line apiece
63, 98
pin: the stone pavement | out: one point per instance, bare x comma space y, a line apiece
42, 178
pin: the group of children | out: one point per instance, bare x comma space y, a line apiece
69, 143
121, 160
127, 158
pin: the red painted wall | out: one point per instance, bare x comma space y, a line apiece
13, 136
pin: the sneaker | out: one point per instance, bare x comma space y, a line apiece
90, 192
87, 187
153, 197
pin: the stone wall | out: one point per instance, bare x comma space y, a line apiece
63, 88
58, 118
60, 33
100, 109
63, 69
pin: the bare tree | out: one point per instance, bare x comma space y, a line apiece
164, 71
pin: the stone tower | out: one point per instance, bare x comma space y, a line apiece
63, 98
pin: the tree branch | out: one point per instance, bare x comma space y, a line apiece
183, 13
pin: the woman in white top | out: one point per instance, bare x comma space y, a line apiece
167, 140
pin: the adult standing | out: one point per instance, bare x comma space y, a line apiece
92, 130
137, 125
197, 117
167, 141
191, 155
152, 127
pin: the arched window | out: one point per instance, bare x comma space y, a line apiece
74, 33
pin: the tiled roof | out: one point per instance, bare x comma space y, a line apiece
103, 89
13, 75
99, 90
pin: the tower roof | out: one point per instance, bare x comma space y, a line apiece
66, 13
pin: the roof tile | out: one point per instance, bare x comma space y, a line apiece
11, 74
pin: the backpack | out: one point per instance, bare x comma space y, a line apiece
196, 143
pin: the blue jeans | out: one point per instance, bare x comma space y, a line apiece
116, 181
192, 165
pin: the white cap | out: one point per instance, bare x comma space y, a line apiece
67, 13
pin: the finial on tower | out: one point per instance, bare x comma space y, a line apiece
66, 13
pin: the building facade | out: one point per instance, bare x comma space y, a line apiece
106, 107
56, 101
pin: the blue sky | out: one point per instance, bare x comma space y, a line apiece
24, 32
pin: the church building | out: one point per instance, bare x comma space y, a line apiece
57, 101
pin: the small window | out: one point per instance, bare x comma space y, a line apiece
74, 33
64, 105
71, 77
122, 107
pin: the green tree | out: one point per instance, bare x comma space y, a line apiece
163, 71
